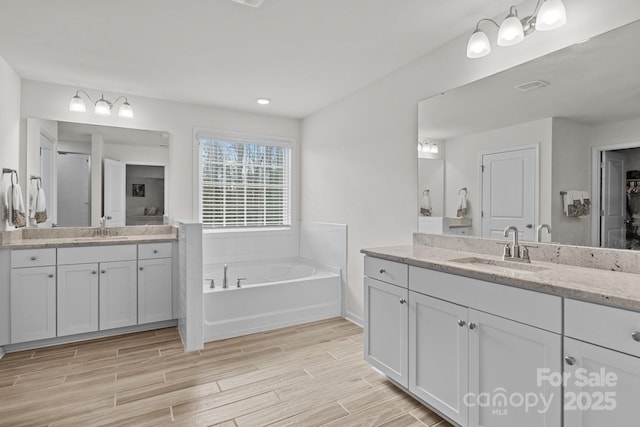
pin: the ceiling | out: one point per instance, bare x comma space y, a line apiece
593, 83
302, 54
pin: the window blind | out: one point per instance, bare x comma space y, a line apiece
245, 184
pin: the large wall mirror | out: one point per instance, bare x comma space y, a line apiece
553, 141
87, 171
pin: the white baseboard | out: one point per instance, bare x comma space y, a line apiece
356, 320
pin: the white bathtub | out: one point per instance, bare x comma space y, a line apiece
275, 294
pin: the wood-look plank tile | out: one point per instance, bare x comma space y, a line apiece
405, 420
232, 410
317, 416
370, 397
164, 388
152, 419
7, 381
428, 417
378, 414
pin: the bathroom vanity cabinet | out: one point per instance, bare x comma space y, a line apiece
472, 345
463, 342
61, 292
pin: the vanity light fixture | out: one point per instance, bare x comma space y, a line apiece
102, 107
548, 15
428, 146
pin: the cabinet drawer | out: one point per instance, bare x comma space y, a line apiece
610, 327
532, 308
154, 250
33, 257
387, 271
87, 254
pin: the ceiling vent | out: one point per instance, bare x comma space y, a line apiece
533, 85
252, 3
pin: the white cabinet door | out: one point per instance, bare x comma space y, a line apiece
611, 403
77, 299
154, 290
439, 354
504, 360
386, 324
33, 303
118, 294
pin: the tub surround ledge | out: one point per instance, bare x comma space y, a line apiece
589, 280
33, 238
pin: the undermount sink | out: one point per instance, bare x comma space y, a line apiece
498, 263
97, 238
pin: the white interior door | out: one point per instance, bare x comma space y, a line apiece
74, 183
114, 192
612, 226
48, 178
510, 192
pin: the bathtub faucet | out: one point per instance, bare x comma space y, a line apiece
224, 278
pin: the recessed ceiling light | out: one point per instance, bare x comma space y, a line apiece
263, 101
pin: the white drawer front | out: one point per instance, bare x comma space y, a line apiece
154, 250
387, 271
532, 308
33, 257
87, 254
610, 327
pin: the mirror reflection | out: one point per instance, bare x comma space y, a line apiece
553, 141
87, 172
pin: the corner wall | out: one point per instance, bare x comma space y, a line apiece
9, 127
359, 154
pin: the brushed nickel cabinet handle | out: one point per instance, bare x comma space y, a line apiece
461, 323
141, 268
472, 325
103, 271
402, 301
636, 336
382, 271
570, 360
33, 258
50, 276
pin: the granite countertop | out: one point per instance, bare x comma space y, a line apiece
600, 286
85, 236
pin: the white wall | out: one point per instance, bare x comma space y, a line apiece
358, 158
463, 157
51, 101
9, 127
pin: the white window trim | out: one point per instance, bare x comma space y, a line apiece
245, 137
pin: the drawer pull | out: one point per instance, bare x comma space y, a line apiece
33, 258
461, 323
141, 268
402, 301
382, 271
50, 276
636, 336
94, 272
472, 325
155, 251
570, 360
103, 271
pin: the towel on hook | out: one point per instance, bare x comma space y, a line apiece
425, 204
14, 206
576, 203
41, 207
462, 205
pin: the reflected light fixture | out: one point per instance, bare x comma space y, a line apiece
102, 107
263, 101
428, 146
548, 15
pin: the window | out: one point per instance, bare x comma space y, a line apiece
244, 184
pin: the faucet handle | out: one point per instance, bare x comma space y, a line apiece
506, 253
524, 253
238, 282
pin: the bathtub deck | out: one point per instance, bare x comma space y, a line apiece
307, 375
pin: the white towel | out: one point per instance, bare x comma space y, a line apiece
13, 202
425, 204
462, 205
571, 197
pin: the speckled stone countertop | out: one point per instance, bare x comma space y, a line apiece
614, 288
34, 238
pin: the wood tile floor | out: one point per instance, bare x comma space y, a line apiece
308, 375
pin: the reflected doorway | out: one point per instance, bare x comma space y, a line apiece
145, 194
73, 189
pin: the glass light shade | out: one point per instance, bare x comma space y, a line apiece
77, 105
478, 45
551, 15
434, 148
511, 31
419, 147
102, 108
126, 111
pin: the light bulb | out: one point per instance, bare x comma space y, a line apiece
478, 45
511, 31
551, 15
126, 111
263, 101
77, 105
434, 148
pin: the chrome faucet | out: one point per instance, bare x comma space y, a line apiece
516, 247
102, 231
224, 278
539, 231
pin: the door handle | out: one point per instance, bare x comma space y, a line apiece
402, 301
